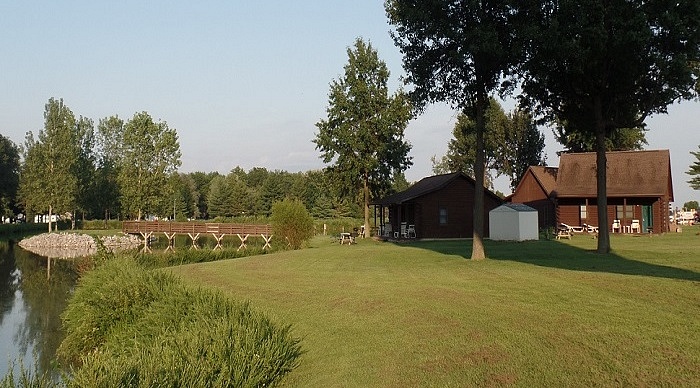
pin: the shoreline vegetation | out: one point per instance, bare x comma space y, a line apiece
398, 314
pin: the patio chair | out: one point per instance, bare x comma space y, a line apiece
387, 230
616, 226
411, 231
404, 230
635, 227
573, 229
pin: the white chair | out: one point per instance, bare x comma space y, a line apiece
411, 231
635, 227
404, 230
616, 226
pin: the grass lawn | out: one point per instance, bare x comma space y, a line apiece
543, 313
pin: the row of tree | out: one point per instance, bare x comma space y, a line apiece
128, 170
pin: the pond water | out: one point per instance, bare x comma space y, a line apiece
31, 303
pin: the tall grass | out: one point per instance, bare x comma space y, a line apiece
128, 326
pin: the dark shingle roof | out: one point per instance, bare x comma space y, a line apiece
425, 186
629, 174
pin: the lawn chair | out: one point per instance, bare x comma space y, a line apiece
404, 230
411, 231
616, 226
635, 227
573, 229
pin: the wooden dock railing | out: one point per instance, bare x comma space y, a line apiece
195, 229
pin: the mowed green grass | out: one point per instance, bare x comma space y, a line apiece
544, 313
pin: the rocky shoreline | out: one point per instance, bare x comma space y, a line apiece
66, 245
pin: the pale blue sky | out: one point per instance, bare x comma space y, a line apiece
243, 82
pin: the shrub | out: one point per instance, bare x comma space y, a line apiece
134, 327
291, 220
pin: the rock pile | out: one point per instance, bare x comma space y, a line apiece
62, 243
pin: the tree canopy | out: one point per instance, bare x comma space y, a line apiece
9, 175
150, 153
48, 181
363, 135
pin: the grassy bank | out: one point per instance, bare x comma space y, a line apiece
535, 314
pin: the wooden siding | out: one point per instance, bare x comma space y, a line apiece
531, 193
568, 212
458, 199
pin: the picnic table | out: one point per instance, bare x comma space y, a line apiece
346, 237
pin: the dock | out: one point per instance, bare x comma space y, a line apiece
194, 230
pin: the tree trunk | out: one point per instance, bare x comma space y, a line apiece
365, 191
50, 209
478, 252
601, 176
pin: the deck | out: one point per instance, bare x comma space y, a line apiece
195, 229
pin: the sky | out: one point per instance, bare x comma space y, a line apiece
242, 82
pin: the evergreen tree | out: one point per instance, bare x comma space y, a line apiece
694, 171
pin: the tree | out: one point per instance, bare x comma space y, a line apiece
522, 147
605, 65
9, 175
48, 181
150, 153
219, 197
694, 171
512, 143
458, 52
110, 132
85, 169
691, 205
363, 136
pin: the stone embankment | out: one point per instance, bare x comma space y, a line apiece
74, 245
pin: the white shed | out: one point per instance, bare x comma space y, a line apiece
513, 222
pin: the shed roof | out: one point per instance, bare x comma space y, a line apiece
425, 186
629, 174
514, 208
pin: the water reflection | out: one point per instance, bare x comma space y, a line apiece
30, 306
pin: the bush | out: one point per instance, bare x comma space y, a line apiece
133, 327
291, 220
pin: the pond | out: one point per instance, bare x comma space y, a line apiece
31, 303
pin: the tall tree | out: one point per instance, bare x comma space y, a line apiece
522, 147
457, 52
85, 167
605, 65
363, 136
694, 171
512, 143
110, 132
150, 153
9, 175
48, 181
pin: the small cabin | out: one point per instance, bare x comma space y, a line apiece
440, 206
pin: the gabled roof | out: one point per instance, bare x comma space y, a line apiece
545, 176
425, 186
629, 174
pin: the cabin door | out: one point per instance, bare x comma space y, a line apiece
647, 218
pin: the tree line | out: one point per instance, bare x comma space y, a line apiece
128, 169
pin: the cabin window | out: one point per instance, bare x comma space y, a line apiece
624, 212
584, 212
443, 216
